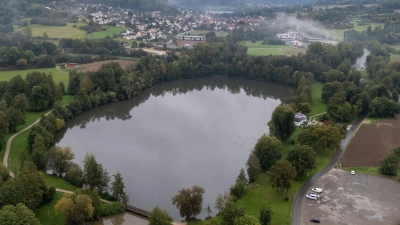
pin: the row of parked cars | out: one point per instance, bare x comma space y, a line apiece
314, 196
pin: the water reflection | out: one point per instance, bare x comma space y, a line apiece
176, 135
120, 219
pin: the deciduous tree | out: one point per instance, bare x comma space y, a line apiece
303, 158
281, 124
76, 208
189, 201
17, 215
160, 217
281, 175
267, 151
253, 166
265, 214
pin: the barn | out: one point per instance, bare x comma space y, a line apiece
71, 65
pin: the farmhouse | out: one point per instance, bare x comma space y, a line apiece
299, 119
71, 65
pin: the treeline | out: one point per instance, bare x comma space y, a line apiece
92, 46
47, 22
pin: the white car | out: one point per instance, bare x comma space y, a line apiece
352, 172
317, 190
312, 196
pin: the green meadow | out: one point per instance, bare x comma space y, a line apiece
59, 31
58, 76
109, 32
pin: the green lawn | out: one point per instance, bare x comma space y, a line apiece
339, 33
317, 104
109, 32
67, 99
58, 182
58, 76
259, 49
59, 31
47, 215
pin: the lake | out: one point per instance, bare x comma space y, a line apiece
175, 135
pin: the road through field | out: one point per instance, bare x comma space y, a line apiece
295, 218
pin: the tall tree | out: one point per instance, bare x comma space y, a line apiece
117, 188
189, 201
281, 175
253, 166
17, 215
324, 137
303, 158
267, 151
60, 159
281, 124
160, 217
265, 214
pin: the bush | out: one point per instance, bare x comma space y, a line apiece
111, 209
390, 164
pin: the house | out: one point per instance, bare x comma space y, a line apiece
72, 65
299, 119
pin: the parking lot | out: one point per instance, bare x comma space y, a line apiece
354, 200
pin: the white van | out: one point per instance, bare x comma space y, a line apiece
312, 196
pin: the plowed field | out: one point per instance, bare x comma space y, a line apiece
96, 65
372, 143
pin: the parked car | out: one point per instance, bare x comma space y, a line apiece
352, 172
312, 196
314, 220
318, 190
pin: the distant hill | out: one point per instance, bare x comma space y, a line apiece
347, 2
233, 5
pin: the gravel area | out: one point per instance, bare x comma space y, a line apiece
354, 200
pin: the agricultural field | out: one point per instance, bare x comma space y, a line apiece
394, 57
59, 31
109, 32
316, 8
372, 143
259, 49
96, 65
58, 76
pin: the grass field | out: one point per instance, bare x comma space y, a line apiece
317, 104
109, 32
59, 31
204, 32
339, 33
259, 49
47, 215
58, 76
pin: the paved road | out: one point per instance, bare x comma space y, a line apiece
361, 61
300, 195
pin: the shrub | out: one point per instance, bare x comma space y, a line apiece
111, 209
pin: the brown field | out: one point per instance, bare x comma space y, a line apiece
184, 42
372, 143
96, 65
295, 51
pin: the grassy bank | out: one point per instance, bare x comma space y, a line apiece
58, 76
58, 183
47, 215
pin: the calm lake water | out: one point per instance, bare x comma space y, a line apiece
175, 135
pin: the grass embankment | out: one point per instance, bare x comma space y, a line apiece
253, 198
58, 183
47, 215
58, 76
